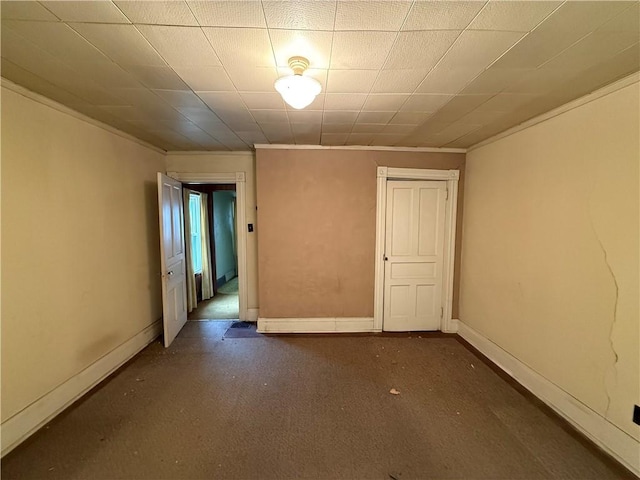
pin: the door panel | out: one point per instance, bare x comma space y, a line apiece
172, 258
414, 247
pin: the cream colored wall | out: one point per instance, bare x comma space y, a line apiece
550, 251
80, 242
224, 163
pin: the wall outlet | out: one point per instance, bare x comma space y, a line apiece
636, 414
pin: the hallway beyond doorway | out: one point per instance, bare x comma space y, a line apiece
223, 305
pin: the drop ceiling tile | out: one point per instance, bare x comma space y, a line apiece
262, 101
439, 15
276, 128
299, 129
334, 138
398, 129
205, 78
536, 48
158, 13
109, 75
593, 49
313, 45
337, 128
494, 80
365, 50
157, 77
459, 106
340, 117
235, 118
375, 117
409, 118
582, 17
181, 46
478, 49
200, 115
420, 49
270, 116
228, 14
79, 11
252, 137
248, 128
384, 140
628, 20
506, 102
237, 47
480, 117
344, 101
447, 80
252, 79
513, 16
222, 100
350, 81
368, 128
124, 44
399, 81
300, 14
540, 81
371, 15
180, 98
58, 39
360, 139
425, 102
305, 116
384, 102
26, 10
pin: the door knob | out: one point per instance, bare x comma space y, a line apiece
170, 272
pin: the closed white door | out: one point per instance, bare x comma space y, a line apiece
172, 257
414, 250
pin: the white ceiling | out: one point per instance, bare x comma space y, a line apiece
198, 75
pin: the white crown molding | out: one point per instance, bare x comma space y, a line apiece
617, 443
265, 146
36, 97
216, 153
590, 97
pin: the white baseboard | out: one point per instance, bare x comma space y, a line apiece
315, 325
26, 422
598, 429
452, 327
252, 314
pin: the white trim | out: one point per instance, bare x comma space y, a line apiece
598, 429
239, 179
26, 422
454, 326
315, 325
36, 97
220, 153
358, 147
451, 177
252, 314
602, 92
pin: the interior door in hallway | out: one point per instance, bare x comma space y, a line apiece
172, 256
414, 251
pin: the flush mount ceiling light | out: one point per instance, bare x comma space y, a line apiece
297, 90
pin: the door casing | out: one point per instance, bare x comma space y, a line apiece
239, 179
451, 177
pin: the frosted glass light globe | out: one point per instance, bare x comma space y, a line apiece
298, 91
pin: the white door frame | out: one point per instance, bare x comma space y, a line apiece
451, 177
239, 180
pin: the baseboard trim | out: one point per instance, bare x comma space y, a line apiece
453, 326
316, 325
252, 314
599, 430
26, 422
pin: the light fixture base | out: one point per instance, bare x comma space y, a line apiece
298, 65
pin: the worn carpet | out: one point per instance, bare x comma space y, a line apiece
220, 307
230, 288
316, 407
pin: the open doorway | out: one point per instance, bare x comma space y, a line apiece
212, 238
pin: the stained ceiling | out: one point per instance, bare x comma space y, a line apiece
198, 75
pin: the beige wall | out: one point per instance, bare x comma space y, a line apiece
224, 163
316, 237
550, 251
80, 246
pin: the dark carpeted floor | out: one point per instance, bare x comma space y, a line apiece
307, 407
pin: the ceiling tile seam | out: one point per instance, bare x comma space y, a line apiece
275, 62
461, 136
326, 80
48, 10
230, 79
379, 70
432, 69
